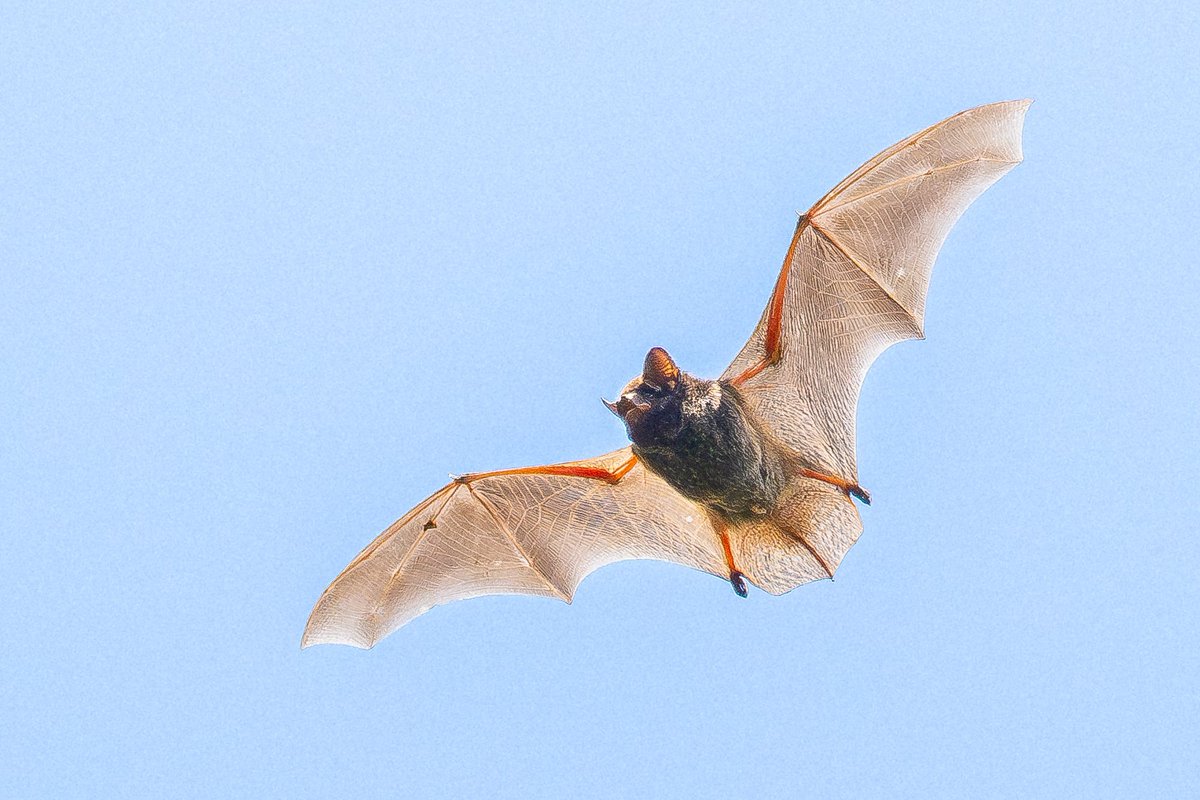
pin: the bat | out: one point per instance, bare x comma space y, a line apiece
751, 477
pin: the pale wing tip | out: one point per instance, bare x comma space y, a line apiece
306, 643
1021, 107
1011, 122
314, 635
329, 624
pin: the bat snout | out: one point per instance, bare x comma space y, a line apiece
629, 404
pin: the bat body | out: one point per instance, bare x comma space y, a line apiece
748, 477
702, 438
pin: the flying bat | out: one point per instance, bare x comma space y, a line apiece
750, 477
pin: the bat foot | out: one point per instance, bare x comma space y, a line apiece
851, 489
738, 581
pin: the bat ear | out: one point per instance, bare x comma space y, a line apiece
660, 369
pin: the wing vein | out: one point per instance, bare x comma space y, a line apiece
883, 155
412, 548
503, 526
858, 264
909, 179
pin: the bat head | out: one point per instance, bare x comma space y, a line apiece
650, 404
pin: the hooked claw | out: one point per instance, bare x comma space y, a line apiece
860, 493
739, 583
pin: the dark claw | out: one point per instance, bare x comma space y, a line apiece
739, 583
861, 493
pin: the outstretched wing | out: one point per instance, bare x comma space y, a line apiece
855, 277
538, 534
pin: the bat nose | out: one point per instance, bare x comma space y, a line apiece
625, 407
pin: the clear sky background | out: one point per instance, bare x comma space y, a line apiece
267, 275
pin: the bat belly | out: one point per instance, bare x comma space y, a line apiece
719, 459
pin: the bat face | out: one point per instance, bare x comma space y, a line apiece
701, 438
651, 405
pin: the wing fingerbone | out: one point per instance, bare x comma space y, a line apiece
521, 551
917, 331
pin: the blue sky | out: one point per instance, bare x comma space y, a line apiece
268, 275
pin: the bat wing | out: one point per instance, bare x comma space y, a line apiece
856, 274
537, 534
853, 284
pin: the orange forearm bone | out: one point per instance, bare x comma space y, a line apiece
568, 470
772, 346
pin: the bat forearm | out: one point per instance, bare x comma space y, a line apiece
612, 476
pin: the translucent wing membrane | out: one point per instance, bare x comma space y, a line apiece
804, 539
510, 534
857, 276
